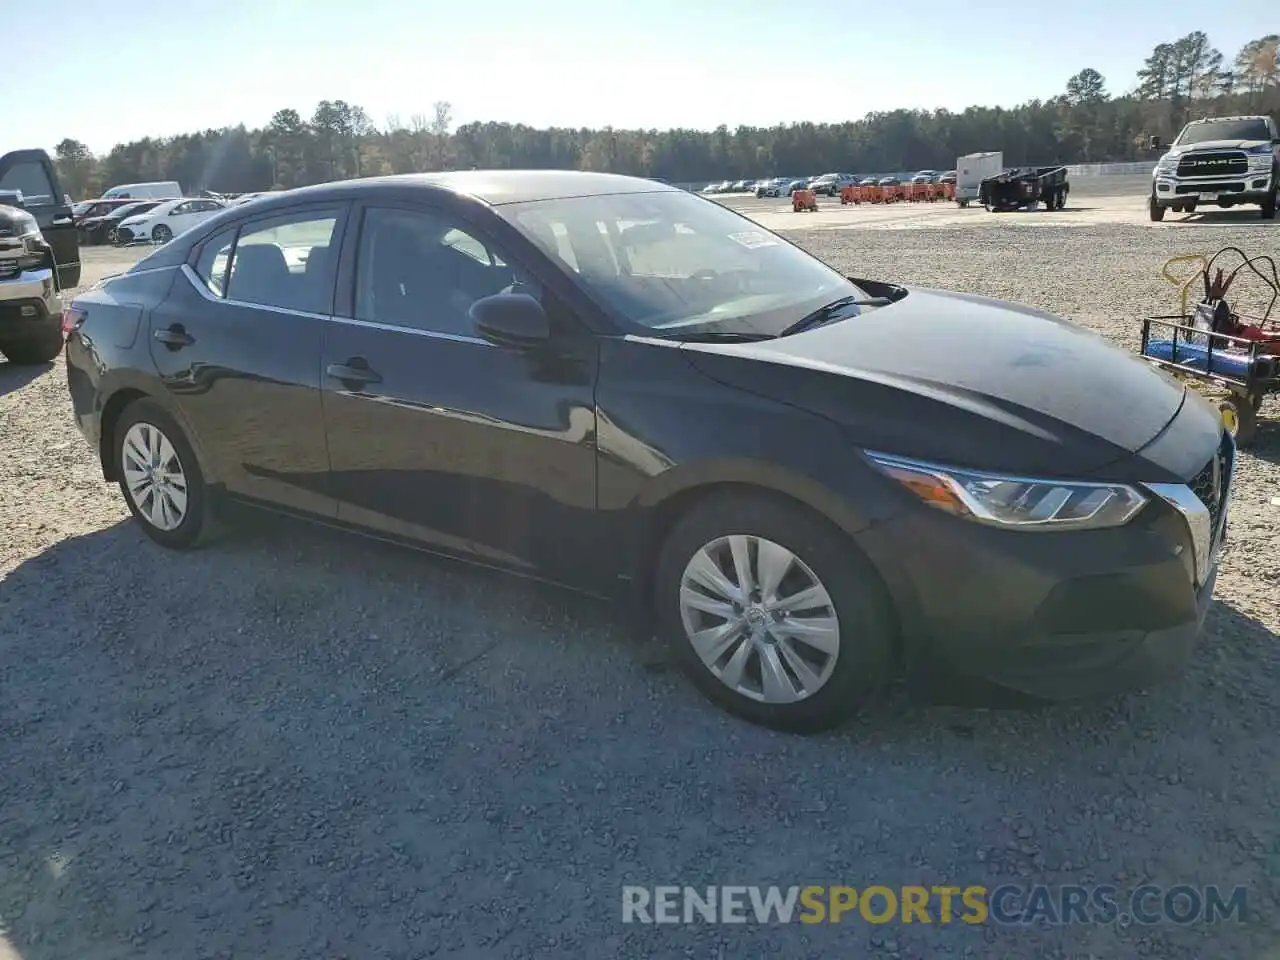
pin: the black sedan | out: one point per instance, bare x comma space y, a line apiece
811, 481
102, 228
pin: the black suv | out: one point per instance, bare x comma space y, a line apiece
39, 256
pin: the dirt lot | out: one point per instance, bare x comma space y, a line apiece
298, 744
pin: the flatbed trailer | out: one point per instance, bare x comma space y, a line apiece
1021, 187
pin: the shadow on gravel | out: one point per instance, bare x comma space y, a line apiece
14, 377
1266, 445
1225, 218
301, 743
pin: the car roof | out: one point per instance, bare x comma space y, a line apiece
493, 187
1217, 119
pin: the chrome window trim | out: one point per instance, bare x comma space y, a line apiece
202, 288
415, 331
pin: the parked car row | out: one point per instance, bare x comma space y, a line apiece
823, 185
154, 221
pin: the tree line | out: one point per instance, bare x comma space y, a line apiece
1180, 80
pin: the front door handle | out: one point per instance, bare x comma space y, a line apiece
355, 371
175, 337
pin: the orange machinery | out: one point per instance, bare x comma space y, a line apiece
804, 200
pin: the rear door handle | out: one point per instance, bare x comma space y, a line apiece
354, 371
175, 337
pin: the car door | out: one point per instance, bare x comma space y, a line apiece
182, 216
437, 435
237, 345
196, 211
33, 174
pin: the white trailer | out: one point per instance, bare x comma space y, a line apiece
971, 170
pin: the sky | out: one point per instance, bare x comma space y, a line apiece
126, 69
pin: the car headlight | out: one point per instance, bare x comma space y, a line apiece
1014, 503
1167, 165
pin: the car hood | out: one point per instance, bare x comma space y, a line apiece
965, 379
1218, 145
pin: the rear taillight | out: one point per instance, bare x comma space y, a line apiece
72, 317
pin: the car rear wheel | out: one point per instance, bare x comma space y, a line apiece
33, 350
160, 476
772, 613
161, 234
1269, 204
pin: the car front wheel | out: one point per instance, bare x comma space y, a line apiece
773, 613
161, 234
160, 476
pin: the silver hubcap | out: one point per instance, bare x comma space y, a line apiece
759, 619
154, 477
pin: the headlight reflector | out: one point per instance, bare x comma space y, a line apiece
1014, 503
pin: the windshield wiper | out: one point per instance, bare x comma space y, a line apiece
720, 336
826, 313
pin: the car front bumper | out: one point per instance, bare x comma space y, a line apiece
1252, 187
29, 305
1054, 616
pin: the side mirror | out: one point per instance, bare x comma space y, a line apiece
11, 198
1155, 143
513, 320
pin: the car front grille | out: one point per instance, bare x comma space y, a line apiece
1221, 164
1215, 187
1213, 483
124, 234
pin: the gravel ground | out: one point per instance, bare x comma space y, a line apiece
299, 744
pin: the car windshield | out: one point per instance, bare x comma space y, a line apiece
1250, 129
670, 261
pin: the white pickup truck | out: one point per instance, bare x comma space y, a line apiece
1227, 161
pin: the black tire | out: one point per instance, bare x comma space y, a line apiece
33, 350
861, 606
1269, 204
161, 233
198, 524
1156, 211
1240, 417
